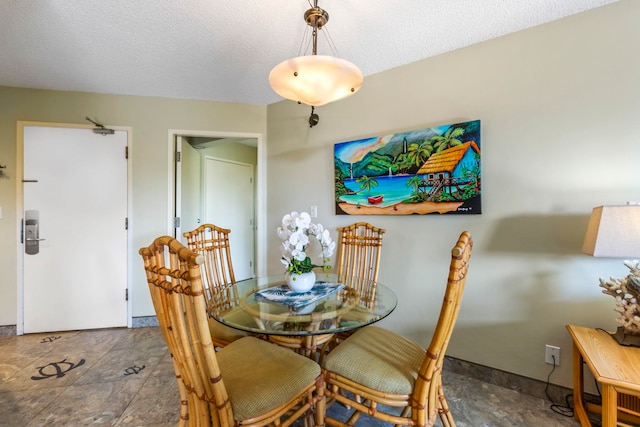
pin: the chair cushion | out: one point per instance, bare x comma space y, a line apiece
225, 332
378, 359
260, 376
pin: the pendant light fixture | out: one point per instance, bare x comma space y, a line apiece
315, 79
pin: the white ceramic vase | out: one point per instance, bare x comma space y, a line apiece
300, 282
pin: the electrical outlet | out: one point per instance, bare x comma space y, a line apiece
314, 211
552, 354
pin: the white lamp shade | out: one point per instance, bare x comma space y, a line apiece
614, 232
315, 79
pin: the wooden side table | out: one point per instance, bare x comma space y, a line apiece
615, 367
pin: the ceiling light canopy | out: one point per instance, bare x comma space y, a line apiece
315, 79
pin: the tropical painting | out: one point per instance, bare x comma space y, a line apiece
427, 171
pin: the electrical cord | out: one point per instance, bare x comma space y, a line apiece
565, 410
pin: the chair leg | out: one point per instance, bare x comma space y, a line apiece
184, 409
326, 348
321, 403
443, 410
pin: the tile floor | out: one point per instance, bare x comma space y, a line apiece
124, 377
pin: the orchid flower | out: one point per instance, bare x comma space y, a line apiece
295, 232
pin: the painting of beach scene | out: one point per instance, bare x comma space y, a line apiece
427, 171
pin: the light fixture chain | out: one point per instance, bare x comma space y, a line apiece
332, 46
305, 43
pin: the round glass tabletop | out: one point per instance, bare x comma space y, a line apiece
265, 305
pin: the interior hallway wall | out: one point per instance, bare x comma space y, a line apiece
559, 105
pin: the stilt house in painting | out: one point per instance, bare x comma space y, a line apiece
445, 169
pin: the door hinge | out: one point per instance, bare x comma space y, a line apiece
126, 223
126, 152
126, 294
178, 156
176, 222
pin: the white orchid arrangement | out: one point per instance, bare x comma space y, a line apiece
295, 232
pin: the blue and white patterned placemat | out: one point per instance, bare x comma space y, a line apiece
285, 296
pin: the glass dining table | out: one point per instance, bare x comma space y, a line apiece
266, 306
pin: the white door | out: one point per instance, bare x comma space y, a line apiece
228, 189
75, 183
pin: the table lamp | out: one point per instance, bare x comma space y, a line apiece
614, 232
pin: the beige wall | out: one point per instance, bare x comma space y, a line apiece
559, 106
150, 120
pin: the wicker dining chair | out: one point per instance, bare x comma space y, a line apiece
376, 366
358, 262
359, 248
218, 278
248, 382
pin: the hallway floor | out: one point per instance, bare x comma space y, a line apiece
124, 377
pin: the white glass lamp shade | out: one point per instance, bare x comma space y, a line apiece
614, 232
315, 79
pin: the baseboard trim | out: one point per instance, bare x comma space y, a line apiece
8, 330
144, 321
136, 322
508, 380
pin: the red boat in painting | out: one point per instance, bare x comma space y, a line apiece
375, 200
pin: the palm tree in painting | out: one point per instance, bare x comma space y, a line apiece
447, 140
414, 182
367, 183
417, 154
400, 164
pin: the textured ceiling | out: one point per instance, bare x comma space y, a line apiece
223, 50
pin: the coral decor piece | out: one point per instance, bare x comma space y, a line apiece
626, 292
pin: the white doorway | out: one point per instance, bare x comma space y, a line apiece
74, 240
189, 151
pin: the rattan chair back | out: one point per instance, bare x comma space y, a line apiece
175, 284
358, 262
396, 371
270, 386
218, 278
212, 242
359, 247
428, 388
